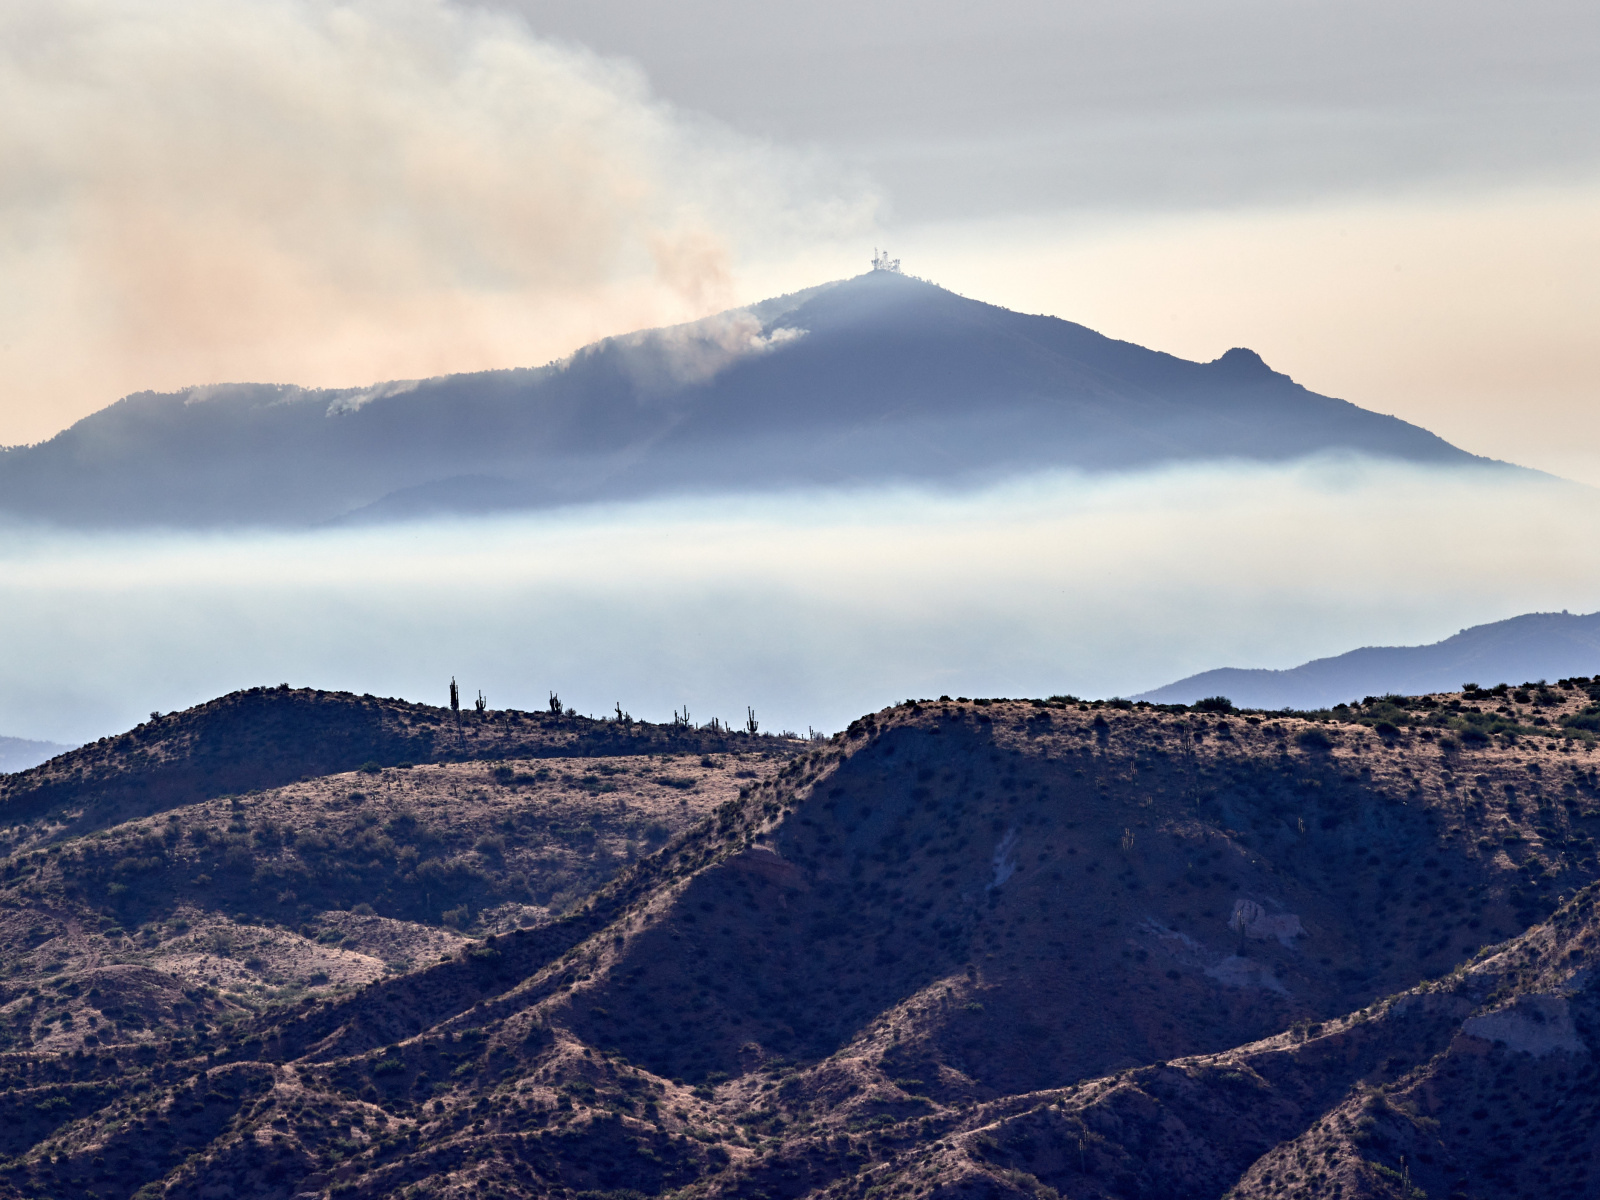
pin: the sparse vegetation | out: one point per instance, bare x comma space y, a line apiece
987, 948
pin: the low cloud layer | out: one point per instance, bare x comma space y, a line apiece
335, 193
812, 608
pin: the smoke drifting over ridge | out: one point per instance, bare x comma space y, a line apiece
331, 193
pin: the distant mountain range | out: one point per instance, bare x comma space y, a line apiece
1522, 649
18, 754
878, 379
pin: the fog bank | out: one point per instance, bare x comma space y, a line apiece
812, 607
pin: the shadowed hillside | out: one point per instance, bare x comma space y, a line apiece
874, 380
966, 948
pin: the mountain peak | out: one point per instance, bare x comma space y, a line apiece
1243, 363
881, 379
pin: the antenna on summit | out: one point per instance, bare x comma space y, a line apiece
882, 262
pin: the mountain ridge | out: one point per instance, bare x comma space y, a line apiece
877, 379
1526, 648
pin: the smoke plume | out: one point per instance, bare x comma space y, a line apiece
332, 193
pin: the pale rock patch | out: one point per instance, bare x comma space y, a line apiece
1534, 1024
1254, 921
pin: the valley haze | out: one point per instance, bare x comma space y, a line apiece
872, 489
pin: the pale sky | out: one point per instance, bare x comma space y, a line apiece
1392, 202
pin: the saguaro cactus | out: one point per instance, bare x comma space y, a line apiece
750, 722
455, 696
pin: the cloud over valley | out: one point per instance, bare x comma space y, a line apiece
812, 606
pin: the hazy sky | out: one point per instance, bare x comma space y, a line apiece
1393, 203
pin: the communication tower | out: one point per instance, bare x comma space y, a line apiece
882, 262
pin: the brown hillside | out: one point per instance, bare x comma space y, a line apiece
1217, 878
319, 886
268, 737
966, 949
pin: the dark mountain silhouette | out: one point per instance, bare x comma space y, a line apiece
878, 379
1531, 647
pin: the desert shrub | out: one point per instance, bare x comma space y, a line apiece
1588, 719
1313, 739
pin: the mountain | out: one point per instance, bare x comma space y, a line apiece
878, 379
18, 754
1534, 646
963, 949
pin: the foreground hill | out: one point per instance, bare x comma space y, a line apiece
878, 379
1533, 646
267, 736
966, 948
